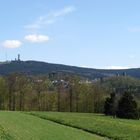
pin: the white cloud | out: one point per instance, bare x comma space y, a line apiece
134, 29
84, 66
107, 67
117, 67
37, 38
11, 43
63, 11
50, 18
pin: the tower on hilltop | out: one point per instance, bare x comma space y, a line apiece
18, 57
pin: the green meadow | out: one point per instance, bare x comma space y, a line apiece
21, 126
113, 128
65, 126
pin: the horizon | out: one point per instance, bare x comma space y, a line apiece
91, 34
107, 68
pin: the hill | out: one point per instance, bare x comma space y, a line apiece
39, 68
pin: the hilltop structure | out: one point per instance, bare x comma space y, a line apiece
18, 57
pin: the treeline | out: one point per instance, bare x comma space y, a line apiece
45, 93
64, 92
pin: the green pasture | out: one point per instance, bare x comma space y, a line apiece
117, 129
21, 126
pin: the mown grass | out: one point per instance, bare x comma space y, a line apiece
21, 126
117, 129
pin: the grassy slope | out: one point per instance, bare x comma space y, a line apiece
118, 129
20, 126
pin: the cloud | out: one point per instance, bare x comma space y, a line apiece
116, 67
34, 38
84, 66
12, 44
63, 11
134, 29
50, 18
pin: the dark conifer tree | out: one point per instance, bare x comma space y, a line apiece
110, 105
107, 106
127, 107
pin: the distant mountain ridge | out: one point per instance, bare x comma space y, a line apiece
39, 68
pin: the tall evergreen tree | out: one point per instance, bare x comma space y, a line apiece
110, 105
127, 107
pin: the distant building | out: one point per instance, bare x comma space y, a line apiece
18, 57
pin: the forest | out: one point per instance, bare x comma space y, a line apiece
62, 92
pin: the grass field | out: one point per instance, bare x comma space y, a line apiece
65, 126
21, 126
117, 129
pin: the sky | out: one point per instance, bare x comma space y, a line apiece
101, 34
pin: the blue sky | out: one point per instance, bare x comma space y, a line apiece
87, 33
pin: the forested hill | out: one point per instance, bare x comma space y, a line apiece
36, 68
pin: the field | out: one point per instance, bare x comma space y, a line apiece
21, 126
118, 129
65, 126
